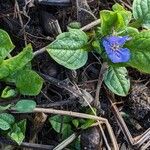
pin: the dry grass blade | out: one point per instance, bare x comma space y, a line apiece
85, 116
136, 141
66, 142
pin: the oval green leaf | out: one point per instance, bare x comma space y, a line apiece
69, 49
141, 12
140, 51
29, 82
25, 106
7, 117
6, 45
4, 125
117, 80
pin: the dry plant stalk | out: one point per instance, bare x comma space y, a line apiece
82, 115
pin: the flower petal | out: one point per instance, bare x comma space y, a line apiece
106, 43
120, 40
122, 55
123, 39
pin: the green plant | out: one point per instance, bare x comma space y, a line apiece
122, 40
118, 42
8, 127
17, 69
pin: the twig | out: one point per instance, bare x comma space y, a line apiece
91, 25
99, 84
70, 113
27, 145
79, 94
40, 51
85, 28
66, 142
21, 21
82, 115
100, 126
137, 141
146, 146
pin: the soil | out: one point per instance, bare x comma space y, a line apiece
35, 27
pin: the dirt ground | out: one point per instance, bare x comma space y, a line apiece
39, 24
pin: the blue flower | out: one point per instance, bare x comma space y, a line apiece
114, 48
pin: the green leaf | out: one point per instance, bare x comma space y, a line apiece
116, 20
74, 25
25, 105
75, 122
6, 45
117, 7
87, 123
4, 71
17, 136
17, 133
117, 80
69, 49
129, 31
7, 117
141, 11
108, 21
22, 125
29, 82
140, 51
6, 120
61, 125
4, 125
12, 77
16, 63
8, 92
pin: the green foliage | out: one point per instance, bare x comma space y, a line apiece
141, 12
61, 125
14, 69
117, 81
129, 31
74, 25
69, 49
17, 132
5, 121
140, 55
6, 45
116, 20
4, 125
7, 117
25, 105
24, 81
18, 62
64, 125
75, 122
8, 92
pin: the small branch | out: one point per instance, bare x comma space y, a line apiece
91, 25
136, 141
99, 84
85, 116
69, 113
40, 51
66, 142
85, 28
26, 145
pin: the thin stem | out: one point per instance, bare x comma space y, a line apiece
85, 28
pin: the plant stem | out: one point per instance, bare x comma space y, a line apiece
85, 28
